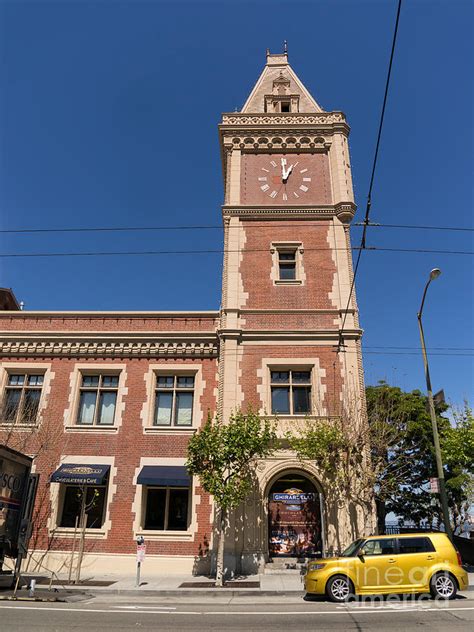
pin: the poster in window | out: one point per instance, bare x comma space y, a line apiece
295, 524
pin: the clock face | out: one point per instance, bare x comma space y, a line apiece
284, 179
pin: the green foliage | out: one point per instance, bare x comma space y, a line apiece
224, 455
321, 441
457, 447
407, 459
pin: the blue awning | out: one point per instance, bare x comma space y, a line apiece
78, 474
164, 476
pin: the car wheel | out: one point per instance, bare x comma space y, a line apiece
443, 586
339, 589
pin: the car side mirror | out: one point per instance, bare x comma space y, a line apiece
361, 553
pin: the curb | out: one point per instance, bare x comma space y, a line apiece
224, 592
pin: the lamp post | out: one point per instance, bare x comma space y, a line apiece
434, 274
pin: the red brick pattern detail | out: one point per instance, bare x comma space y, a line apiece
106, 323
328, 360
319, 266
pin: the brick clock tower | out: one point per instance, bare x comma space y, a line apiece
286, 281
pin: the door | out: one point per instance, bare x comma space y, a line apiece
416, 557
377, 568
294, 518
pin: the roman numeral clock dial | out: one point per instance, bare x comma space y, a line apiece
285, 179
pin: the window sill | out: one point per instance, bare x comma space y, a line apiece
288, 282
106, 429
16, 426
169, 430
67, 532
164, 536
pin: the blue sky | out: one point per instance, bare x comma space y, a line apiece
102, 103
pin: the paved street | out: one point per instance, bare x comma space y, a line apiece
275, 614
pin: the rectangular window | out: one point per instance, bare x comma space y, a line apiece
89, 498
174, 397
291, 392
379, 547
166, 509
285, 106
21, 398
287, 265
415, 545
97, 400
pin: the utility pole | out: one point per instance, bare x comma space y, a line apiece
434, 274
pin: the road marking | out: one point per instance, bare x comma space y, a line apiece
237, 613
145, 607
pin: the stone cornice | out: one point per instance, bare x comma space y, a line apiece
239, 119
307, 211
343, 210
335, 312
306, 334
111, 314
96, 345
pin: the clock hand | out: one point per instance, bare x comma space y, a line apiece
283, 170
287, 173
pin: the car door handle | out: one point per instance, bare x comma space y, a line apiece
430, 557
392, 560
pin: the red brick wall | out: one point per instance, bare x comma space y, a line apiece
318, 265
128, 445
45, 322
328, 360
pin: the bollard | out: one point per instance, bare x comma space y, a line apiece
32, 588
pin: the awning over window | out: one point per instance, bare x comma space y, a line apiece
164, 476
78, 474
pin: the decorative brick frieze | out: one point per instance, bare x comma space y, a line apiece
25, 346
317, 118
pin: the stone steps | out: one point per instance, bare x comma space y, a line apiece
285, 566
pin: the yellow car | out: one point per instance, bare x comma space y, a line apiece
390, 564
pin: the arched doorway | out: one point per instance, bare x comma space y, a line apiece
295, 527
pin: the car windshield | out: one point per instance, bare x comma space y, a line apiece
352, 549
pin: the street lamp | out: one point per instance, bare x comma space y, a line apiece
434, 274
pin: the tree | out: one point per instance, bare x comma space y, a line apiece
407, 461
340, 449
458, 454
224, 456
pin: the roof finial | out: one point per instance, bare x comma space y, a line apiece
268, 52
285, 47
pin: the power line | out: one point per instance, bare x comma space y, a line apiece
372, 176
416, 227
133, 253
249, 224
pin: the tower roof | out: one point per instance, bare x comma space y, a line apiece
278, 78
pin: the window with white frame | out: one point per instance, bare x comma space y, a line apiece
21, 398
174, 400
287, 263
166, 508
97, 400
290, 392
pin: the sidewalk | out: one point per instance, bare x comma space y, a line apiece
172, 585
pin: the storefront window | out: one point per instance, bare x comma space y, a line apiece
77, 496
166, 509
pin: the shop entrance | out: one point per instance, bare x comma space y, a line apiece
294, 514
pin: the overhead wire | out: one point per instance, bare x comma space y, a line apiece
248, 225
372, 177
220, 251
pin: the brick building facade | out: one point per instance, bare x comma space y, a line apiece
108, 400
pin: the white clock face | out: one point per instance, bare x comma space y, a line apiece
285, 179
